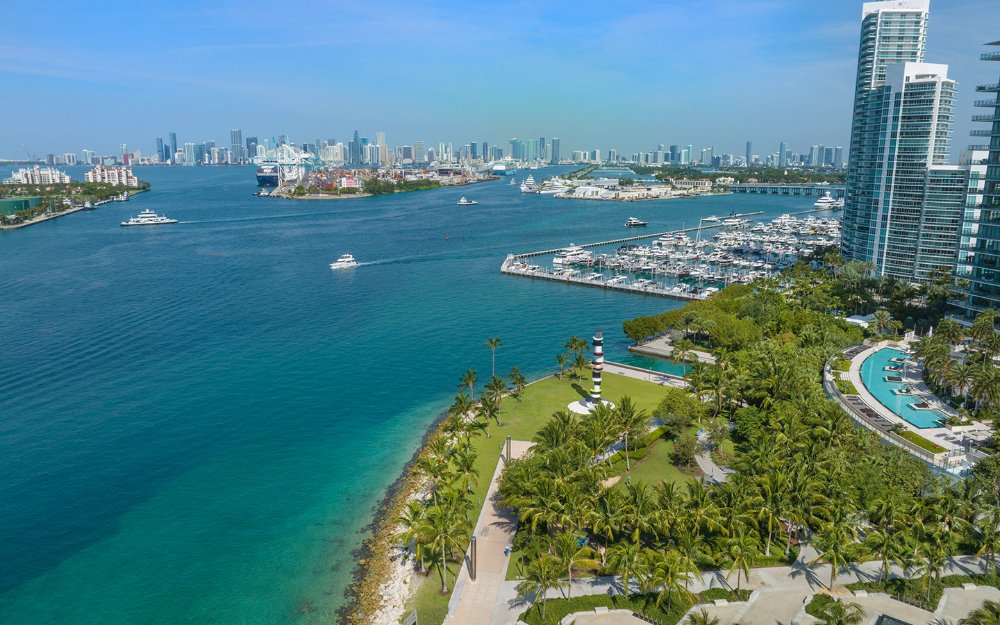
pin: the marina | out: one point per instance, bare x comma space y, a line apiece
676, 266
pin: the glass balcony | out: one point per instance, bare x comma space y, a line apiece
985, 133
986, 118
990, 56
988, 88
986, 103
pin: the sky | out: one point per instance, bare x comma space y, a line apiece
92, 75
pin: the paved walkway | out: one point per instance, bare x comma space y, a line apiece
471, 601
646, 375
713, 472
661, 347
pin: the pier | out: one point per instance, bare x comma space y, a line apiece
835, 191
509, 267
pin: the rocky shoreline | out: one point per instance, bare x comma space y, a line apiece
383, 571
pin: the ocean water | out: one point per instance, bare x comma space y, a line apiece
197, 421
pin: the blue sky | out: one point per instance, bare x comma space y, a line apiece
77, 75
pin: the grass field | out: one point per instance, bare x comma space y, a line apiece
521, 419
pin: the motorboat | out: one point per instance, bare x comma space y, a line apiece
467, 202
344, 262
635, 222
148, 218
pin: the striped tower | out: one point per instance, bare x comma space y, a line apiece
597, 366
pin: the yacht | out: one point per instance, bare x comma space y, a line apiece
838, 204
711, 219
148, 218
344, 262
826, 201
635, 222
529, 186
553, 186
467, 202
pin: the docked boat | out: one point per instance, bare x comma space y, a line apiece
635, 222
87, 206
529, 186
826, 202
553, 186
345, 261
148, 218
467, 202
711, 219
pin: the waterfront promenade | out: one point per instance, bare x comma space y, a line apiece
494, 533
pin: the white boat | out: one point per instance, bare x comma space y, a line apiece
553, 186
826, 201
635, 222
467, 202
838, 204
711, 219
529, 186
344, 262
148, 218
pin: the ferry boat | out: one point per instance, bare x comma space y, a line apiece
529, 186
826, 201
267, 176
148, 218
467, 202
345, 261
635, 222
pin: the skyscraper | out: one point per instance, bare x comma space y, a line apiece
236, 146
554, 157
355, 149
173, 146
900, 213
782, 150
749, 156
979, 264
159, 149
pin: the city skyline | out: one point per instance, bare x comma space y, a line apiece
629, 81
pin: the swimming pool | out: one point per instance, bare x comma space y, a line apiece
874, 374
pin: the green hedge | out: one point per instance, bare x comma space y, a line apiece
846, 387
556, 609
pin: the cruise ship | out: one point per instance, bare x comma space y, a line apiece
148, 218
503, 170
267, 176
529, 186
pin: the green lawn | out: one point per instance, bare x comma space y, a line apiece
922, 442
656, 467
521, 419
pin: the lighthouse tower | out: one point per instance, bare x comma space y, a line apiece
597, 367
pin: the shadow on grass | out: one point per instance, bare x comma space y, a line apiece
579, 390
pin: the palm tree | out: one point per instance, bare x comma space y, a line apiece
741, 549
839, 613
702, 617
959, 377
445, 528
495, 389
561, 361
835, 541
412, 521
469, 380
623, 559
881, 321
579, 363
630, 420
571, 554
989, 614
493, 343
517, 381
465, 466
667, 572
935, 548
488, 409
989, 536
889, 546
541, 575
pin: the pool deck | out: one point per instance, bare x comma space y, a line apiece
951, 440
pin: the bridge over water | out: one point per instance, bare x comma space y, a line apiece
836, 191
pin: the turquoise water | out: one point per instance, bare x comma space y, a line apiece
197, 421
873, 376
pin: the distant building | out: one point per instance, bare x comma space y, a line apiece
38, 175
121, 176
684, 183
555, 151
